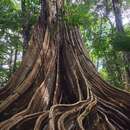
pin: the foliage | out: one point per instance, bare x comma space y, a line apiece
76, 14
11, 23
3, 76
121, 41
98, 34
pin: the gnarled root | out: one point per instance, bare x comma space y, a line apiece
60, 89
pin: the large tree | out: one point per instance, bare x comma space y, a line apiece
57, 87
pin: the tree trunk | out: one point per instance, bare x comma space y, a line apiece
26, 27
58, 88
10, 62
15, 59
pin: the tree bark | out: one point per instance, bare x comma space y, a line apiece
26, 27
58, 88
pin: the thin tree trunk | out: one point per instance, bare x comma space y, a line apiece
15, 60
25, 25
118, 15
10, 62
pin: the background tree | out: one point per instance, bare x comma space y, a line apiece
10, 39
121, 33
29, 13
